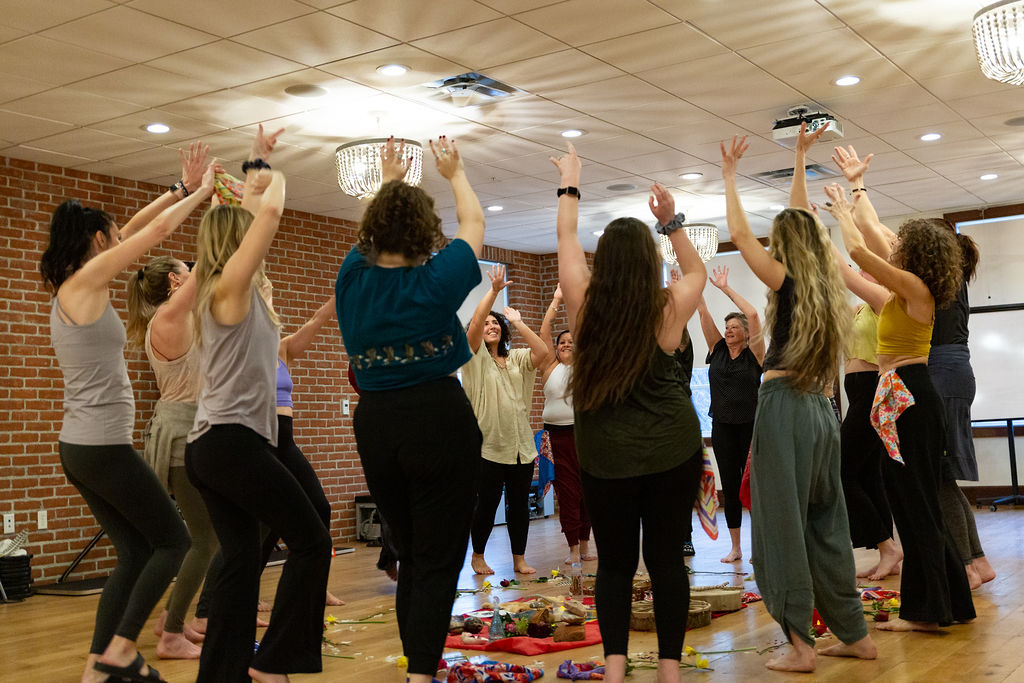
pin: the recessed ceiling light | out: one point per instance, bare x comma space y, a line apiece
777, 207
847, 80
931, 137
691, 176
599, 232
1015, 121
622, 187
305, 90
392, 69
495, 207
573, 133
988, 176
158, 128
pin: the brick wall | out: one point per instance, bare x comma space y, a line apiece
302, 264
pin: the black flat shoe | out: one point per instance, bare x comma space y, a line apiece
132, 672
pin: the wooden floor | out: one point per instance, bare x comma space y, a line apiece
45, 638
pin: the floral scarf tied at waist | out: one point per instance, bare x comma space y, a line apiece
891, 398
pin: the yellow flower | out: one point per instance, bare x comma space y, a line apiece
554, 572
402, 662
689, 651
894, 602
702, 663
331, 619
487, 585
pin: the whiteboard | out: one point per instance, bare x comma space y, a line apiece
998, 359
1000, 279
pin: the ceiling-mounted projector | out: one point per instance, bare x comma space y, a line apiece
787, 130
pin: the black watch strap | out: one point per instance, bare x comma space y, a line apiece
255, 163
571, 191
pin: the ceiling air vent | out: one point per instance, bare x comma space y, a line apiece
471, 89
782, 176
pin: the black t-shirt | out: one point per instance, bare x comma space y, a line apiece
684, 357
780, 330
734, 384
951, 323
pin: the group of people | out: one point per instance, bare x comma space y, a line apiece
622, 428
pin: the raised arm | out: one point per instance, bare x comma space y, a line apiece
877, 236
872, 294
468, 211
720, 279
259, 158
684, 293
765, 267
540, 352
475, 331
294, 346
547, 326
171, 330
573, 272
712, 335
798, 198
193, 165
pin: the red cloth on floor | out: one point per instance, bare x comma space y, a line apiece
524, 645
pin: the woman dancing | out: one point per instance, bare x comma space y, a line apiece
417, 435
499, 383
637, 434
84, 254
801, 544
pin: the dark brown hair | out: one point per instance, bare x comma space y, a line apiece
401, 219
71, 231
929, 249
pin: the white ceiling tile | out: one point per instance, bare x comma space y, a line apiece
224, 19
965, 84
8, 33
134, 125
228, 108
513, 6
765, 93
786, 57
904, 118
226, 63
494, 42
953, 150
128, 34
409, 21
654, 113
520, 112
878, 100
927, 62
52, 61
1010, 102
551, 133
665, 160
609, 149
818, 83
685, 78
103, 168
899, 175
151, 162
554, 72
952, 131
424, 67
71, 105
624, 91
753, 22
145, 85
21, 128
42, 156
316, 39
655, 48
33, 17
578, 22
907, 24
15, 87
91, 144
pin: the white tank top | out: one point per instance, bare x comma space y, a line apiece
557, 405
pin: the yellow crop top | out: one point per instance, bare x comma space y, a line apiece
863, 342
901, 335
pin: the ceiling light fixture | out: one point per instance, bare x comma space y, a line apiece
845, 81
704, 237
305, 90
392, 69
621, 187
495, 208
777, 207
988, 176
158, 128
573, 133
691, 176
999, 41
931, 137
358, 164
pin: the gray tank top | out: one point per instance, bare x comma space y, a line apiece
99, 407
238, 371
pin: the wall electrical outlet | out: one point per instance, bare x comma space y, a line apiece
345, 407
41, 520
9, 523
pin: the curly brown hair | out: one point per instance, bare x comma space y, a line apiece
401, 219
929, 249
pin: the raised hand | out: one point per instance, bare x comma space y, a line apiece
852, 166
720, 277
805, 140
731, 157
498, 281
662, 204
674, 275
260, 183
446, 157
206, 180
393, 162
838, 205
193, 164
568, 167
558, 292
512, 315
263, 145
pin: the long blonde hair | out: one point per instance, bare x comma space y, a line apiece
148, 287
820, 317
220, 234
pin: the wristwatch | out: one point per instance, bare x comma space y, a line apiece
571, 191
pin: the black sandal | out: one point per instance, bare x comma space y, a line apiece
132, 672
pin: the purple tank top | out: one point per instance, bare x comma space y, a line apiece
284, 385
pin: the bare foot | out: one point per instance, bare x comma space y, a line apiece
865, 573
158, 627
985, 569
905, 625
264, 677
193, 635
480, 565
333, 600
520, 566
588, 557
262, 623
862, 649
585, 554
198, 625
794, 660
883, 569
972, 576
574, 555
735, 556
262, 606
176, 646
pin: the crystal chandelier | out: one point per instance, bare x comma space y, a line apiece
999, 39
704, 237
359, 165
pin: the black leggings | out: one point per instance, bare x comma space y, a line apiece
660, 503
516, 480
867, 506
243, 484
134, 510
419, 447
732, 444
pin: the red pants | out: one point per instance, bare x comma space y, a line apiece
572, 512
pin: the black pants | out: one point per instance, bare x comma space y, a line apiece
732, 444
419, 447
516, 480
933, 582
867, 506
660, 504
243, 484
134, 510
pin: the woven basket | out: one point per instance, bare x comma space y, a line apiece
640, 588
642, 616
723, 597
700, 614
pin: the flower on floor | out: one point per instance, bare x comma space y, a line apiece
554, 573
487, 584
702, 663
505, 583
402, 662
331, 619
689, 651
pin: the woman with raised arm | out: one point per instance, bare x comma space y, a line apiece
84, 254
637, 434
417, 435
801, 545
558, 421
734, 372
499, 383
230, 457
